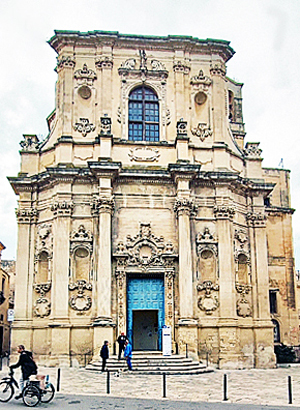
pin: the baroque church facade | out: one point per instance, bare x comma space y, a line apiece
143, 207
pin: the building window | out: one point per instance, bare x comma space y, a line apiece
143, 110
231, 114
276, 331
273, 301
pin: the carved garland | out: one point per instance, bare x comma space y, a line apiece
208, 302
80, 301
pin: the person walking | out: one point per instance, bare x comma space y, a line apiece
104, 353
128, 354
28, 367
121, 341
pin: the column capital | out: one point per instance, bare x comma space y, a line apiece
62, 208
102, 205
256, 219
218, 68
104, 62
224, 212
184, 206
26, 215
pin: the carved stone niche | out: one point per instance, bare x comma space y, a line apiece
207, 252
43, 255
242, 255
81, 249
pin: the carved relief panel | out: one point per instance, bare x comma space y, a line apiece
84, 97
207, 272
43, 260
81, 249
243, 272
200, 103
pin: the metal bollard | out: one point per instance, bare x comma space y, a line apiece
164, 385
225, 387
186, 350
290, 389
108, 383
176, 348
58, 380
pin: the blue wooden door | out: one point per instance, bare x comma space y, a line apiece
145, 294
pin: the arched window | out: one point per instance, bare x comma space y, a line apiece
143, 118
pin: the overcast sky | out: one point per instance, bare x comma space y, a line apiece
264, 33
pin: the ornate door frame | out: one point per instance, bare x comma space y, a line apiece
143, 255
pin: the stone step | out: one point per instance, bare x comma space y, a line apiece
152, 363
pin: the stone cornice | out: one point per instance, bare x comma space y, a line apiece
105, 168
184, 170
114, 38
274, 210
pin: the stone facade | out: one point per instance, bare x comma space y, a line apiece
145, 174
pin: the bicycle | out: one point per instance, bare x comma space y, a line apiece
36, 391
33, 393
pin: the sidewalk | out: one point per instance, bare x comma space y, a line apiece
264, 387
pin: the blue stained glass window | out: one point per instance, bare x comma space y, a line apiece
143, 115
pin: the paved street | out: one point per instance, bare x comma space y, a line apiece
82, 389
63, 402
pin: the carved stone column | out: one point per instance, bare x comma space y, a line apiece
62, 211
218, 72
25, 217
65, 67
224, 216
228, 336
264, 349
181, 70
105, 65
183, 208
103, 323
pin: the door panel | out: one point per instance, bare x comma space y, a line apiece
145, 329
145, 294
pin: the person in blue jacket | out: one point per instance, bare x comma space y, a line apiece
128, 354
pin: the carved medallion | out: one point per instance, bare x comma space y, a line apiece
42, 307
144, 154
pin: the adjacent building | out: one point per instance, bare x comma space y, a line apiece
4, 306
145, 208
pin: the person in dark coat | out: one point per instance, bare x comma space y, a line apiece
28, 367
121, 341
104, 353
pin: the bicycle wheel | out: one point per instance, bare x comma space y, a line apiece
47, 393
6, 391
31, 396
